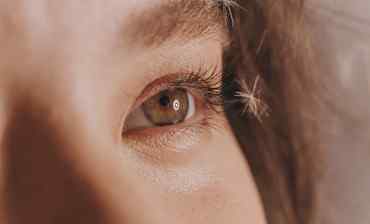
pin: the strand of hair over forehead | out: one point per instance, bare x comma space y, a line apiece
226, 2
248, 94
227, 6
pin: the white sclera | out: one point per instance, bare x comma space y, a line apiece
192, 107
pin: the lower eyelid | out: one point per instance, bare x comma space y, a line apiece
172, 146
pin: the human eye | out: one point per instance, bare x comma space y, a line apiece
168, 107
174, 113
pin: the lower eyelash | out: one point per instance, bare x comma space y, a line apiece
159, 142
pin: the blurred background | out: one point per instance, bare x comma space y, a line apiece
342, 38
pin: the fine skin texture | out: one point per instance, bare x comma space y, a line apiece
71, 72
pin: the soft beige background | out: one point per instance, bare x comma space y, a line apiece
342, 36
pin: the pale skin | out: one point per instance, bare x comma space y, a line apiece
70, 74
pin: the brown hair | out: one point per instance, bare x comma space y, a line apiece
274, 118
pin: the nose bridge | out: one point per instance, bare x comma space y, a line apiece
41, 183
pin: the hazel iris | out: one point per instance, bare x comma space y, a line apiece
168, 107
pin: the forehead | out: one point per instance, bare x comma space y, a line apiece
68, 13
72, 19
75, 35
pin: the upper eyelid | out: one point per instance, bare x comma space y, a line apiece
200, 59
202, 79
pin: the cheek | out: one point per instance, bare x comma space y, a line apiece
217, 187
214, 185
232, 197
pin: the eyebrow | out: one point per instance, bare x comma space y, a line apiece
181, 19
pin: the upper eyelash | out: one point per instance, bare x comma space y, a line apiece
208, 82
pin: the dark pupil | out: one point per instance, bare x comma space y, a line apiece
165, 101
167, 108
